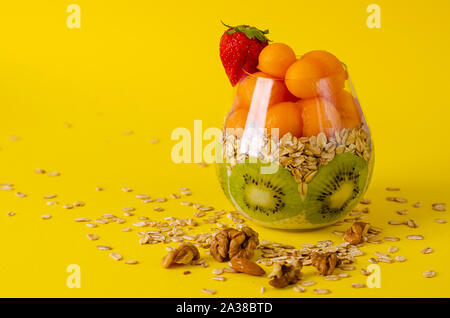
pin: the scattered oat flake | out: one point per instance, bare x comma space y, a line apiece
206, 208
50, 196
20, 194
140, 224
347, 267
82, 220
392, 249
427, 250
127, 189
415, 237
116, 256
429, 274
104, 247
91, 225
321, 291
307, 283
331, 277
229, 270
262, 290
128, 209
99, 188
417, 205
219, 278
209, 291
391, 238
365, 201
54, 174
392, 189
40, 171
411, 223
217, 271
186, 272
438, 207
131, 262
154, 141
46, 216
442, 221
126, 229
343, 275
52, 203
402, 212
400, 258
92, 237
68, 206
299, 289
358, 285
78, 203
158, 209
365, 272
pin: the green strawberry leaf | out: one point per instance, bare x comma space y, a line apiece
249, 31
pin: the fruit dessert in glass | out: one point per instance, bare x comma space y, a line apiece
297, 152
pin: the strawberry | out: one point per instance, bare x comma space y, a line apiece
239, 50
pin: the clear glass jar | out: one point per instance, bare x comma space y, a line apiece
293, 162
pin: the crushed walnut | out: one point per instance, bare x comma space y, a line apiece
285, 274
355, 234
230, 243
324, 262
184, 254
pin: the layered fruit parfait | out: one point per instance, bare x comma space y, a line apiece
297, 152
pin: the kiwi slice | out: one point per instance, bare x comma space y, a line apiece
264, 197
336, 188
222, 175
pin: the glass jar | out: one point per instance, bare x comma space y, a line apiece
297, 152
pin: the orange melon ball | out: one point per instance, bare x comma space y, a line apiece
237, 118
275, 59
317, 73
319, 115
286, 117
348, 109
326, 61
237, 104
246, 88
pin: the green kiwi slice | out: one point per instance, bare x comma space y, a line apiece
222, 175
265, 197
336, 188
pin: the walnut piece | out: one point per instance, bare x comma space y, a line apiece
285, 274
324, 262
355, 234
184, 254
230, 243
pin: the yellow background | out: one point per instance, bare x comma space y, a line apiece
153, 66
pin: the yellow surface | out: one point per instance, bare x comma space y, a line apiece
153, 67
